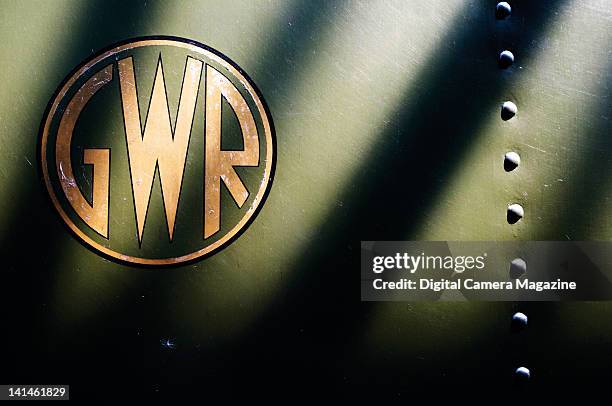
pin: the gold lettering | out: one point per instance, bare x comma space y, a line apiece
96, 214
159, 146
219, 164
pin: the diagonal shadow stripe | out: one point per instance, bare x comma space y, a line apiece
320, 309
308, 19
578, 210
27, 277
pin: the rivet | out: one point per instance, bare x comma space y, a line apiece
508, 110
519, 319
502, 10
511, 161
515, 213
522, 373
506, 59
518, 267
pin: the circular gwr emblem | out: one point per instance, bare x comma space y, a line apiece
157, 151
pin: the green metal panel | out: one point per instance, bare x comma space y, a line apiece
387, 117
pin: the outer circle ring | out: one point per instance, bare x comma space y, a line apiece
237, 72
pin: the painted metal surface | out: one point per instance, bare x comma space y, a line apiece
388, 123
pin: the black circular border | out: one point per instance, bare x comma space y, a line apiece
207, 48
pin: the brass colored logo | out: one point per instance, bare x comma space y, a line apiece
157, 151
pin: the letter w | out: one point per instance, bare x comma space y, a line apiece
159, 145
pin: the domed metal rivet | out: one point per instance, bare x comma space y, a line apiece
519, 321
522, 373
506, 59
508, 110
518, 267
511, 161
515, 213
502, 10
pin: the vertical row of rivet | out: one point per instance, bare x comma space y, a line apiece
512, 160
